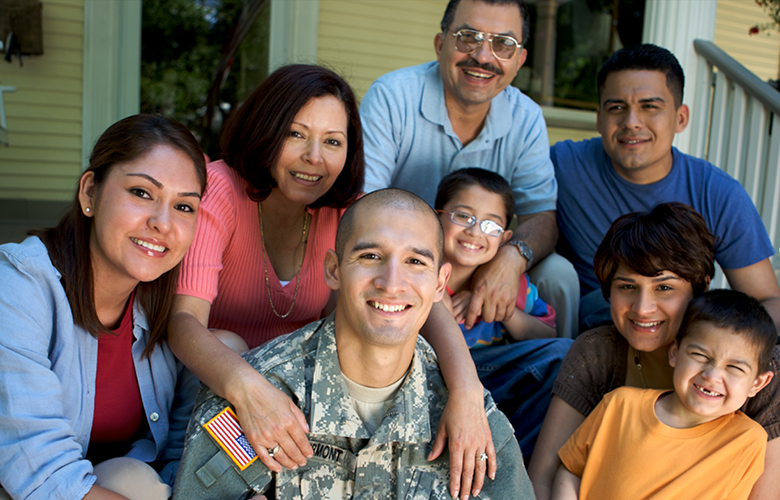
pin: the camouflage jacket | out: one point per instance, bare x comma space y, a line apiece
347, 462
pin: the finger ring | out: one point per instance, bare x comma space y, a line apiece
482, 456
273, 451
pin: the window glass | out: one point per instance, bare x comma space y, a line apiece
181, 45
568, 43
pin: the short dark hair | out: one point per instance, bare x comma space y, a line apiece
738, 312
456, 181
671, 237
449, 14
68, 242
391, 198
646, 57
254, 135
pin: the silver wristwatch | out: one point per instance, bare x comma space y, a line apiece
524, 250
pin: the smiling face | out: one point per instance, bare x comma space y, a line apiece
315, 151
715, 371
388, 277
144, 216
469, 247
637, 119
474, 79
648, 310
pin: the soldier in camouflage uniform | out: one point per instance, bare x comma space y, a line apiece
388, 269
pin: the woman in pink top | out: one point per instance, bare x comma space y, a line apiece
293, 160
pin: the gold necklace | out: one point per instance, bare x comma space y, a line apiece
265, 267
639, 367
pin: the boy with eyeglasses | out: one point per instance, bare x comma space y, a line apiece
516, 358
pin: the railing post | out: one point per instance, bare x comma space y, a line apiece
699, 120
735, 153
756, 135
771, 206
675, 24
718, 121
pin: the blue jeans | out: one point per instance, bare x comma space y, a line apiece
520, 377
594, 311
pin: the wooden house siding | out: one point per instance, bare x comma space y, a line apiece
44, 157
758, 53
364, 39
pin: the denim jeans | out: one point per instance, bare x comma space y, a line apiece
520, 377
594, 311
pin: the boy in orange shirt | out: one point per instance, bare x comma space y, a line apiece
691, 442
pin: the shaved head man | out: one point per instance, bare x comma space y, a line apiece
370, 388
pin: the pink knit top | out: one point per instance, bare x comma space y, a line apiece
225, 264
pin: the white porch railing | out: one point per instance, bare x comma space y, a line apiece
736, 126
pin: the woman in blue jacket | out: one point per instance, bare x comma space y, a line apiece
92, 402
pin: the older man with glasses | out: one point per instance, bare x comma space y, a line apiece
423, 122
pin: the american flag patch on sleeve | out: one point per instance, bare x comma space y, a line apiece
226, 431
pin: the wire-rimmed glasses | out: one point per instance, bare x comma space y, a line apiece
489, 227
502, 46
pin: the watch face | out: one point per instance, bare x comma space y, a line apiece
525, 250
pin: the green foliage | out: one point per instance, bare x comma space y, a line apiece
181, 45
580, 54
772, 9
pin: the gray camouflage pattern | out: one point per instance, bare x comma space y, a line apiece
348, 462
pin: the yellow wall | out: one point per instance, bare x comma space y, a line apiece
43, 160
758, 53
558, 134
364, 39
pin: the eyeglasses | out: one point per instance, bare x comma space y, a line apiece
503, 46
489, 227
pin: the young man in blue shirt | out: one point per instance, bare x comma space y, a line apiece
633, 167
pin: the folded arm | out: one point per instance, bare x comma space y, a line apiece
523, 326
463, 425
267, 416
495, 284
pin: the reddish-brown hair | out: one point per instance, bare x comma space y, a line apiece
254, 135
671, 237
68, 242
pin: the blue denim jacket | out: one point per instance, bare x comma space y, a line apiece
47, 385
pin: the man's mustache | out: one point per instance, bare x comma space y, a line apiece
471, 63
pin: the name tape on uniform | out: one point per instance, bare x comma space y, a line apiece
334, 454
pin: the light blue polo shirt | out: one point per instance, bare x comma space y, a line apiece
410, 144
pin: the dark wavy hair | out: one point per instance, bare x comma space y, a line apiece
646, 57
452, 6
671, 237
68, 242
254, 135
738, 312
